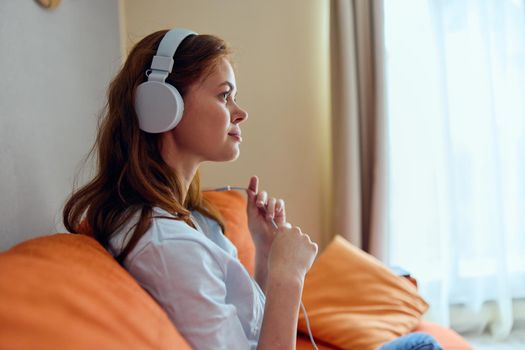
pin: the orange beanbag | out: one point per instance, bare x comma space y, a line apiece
65, 291
355, 302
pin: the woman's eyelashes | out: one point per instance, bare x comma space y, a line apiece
225, 95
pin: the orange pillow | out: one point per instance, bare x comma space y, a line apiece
446, 337
232, 206
65, 291
354, 302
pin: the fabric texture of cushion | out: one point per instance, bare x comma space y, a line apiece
232, 206
448, 339
355, 302
65, 291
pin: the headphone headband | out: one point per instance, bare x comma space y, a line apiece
171, 40
162, 62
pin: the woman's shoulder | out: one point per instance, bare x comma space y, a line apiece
207, 232
165, 227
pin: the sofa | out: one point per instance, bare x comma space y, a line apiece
65, 291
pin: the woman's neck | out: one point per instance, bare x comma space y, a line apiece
183, 164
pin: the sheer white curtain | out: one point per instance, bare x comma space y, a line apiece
455, 73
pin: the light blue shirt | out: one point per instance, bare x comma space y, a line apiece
196, 277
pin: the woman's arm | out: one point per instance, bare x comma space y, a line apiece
290, 257
263, 215
283, 256
261, 268
279, 326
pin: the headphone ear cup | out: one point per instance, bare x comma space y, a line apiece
159, 106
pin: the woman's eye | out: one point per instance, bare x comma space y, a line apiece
225, 95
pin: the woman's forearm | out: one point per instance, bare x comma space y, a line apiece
279, 326
261, 269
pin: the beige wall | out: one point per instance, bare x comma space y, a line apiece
281, 50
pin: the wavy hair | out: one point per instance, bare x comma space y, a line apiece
131, 175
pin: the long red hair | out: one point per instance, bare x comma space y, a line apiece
131, 175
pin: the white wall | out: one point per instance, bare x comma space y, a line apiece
282, 60
54, 70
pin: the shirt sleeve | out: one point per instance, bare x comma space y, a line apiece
188, 282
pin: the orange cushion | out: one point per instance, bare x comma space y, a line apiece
355, 302
232, 205
448, 339
304, 343
65, 291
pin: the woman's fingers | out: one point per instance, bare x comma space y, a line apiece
280, 212
270, 208
253, 187
262, 199
279, 206
254, 184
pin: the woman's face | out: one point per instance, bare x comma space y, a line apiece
211, 118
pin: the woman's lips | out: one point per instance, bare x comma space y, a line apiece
236, 136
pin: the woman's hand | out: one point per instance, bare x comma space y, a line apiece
261, 209
292, 254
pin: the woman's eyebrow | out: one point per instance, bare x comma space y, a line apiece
227, 83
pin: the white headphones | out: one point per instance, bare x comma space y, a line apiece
159, 105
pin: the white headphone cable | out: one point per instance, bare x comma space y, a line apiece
236, 188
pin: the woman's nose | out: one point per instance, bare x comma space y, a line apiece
239, 115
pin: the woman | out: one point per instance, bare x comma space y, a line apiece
146, 207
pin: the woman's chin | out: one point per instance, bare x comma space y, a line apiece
234, 156
231, 156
